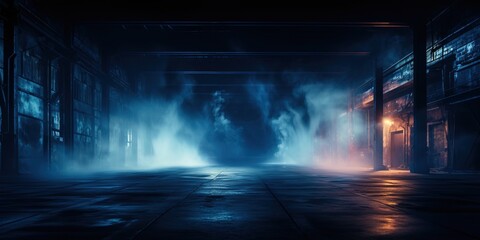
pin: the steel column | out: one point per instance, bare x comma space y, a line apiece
378, 119
9, 147
419, 163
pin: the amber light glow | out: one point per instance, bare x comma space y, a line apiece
388, 122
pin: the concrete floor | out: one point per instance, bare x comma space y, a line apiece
273, 202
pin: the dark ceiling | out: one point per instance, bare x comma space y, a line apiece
319, 11
211, 37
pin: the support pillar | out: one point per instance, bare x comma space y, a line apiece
105, 120
350, 111
9, 165
46, 116
419, 163
105, 117
68, 97
378, 119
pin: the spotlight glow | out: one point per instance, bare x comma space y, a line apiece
388, 122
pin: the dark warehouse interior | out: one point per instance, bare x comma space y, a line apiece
239, 120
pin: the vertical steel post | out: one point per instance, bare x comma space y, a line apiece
419, 163
378, 118
9, 147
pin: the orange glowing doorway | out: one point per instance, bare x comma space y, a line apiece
397, 149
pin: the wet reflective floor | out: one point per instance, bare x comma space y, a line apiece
272, 202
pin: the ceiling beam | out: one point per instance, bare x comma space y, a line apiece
186, 72
196, 54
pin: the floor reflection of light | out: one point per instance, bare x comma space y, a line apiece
387, 225
108, 222
219, 216
394, 182
229, 192
389, 201
384, 224
388, 192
